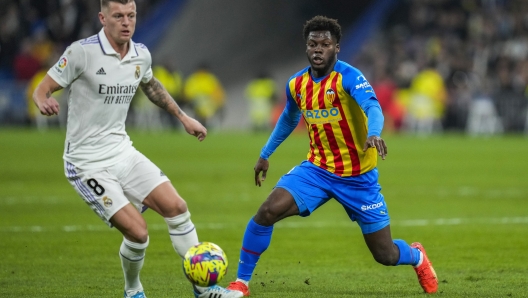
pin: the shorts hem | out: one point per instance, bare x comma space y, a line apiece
154, 187
303, 210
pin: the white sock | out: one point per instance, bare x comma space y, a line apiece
182, 232
243, 281
132, 258
420, 261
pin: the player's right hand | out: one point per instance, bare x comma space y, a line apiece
261, 166
49, 106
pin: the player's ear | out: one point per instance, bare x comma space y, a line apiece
102, 18
337, 48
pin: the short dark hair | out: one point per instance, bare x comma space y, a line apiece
104, 3
322, 23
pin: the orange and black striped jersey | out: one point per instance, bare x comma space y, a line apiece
337, 125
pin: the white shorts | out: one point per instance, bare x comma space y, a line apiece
108, 190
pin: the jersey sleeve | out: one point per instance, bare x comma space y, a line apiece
148, 74
288, 121
70, 65
357, 85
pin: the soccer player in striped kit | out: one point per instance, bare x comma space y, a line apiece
344, 122
104, 72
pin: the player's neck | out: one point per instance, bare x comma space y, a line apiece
120, 48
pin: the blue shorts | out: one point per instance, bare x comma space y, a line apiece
312, 186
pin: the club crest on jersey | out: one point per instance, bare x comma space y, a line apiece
138, 71
107, 202
330, 95
61, 65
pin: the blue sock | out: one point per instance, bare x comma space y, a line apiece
408, 255
256, 240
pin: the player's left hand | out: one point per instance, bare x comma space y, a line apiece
195, 128
378, 143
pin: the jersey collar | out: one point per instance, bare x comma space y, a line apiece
109, 50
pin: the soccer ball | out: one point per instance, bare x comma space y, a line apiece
205, 264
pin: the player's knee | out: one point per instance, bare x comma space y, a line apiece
180, 207
266, 216
138, 236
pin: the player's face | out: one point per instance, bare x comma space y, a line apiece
119, 21
321, 50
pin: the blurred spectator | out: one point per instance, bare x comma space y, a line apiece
386, 92
426, 103
34, 117
172, 79
261, 96
33, 113
149, 117
43, 48
206, 94
25, 65
277, 111
10, 37
483, 38
49, 24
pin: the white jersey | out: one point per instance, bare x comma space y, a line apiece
102, 86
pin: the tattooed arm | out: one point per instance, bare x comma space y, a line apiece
156, 93
160, 97
42, 96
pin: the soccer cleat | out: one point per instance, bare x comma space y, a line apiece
216, 292
239, 286
426, 273
137, 294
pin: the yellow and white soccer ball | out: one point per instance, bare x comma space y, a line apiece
205, 264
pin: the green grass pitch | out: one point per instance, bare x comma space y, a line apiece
465, 199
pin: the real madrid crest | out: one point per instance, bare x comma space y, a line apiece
330, 95
107, 202
138, 72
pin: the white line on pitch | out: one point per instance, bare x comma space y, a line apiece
283, 225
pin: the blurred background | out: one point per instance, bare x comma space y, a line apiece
436, 65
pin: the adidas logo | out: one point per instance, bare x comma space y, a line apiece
101, 72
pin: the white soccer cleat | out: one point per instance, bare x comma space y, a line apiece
138, 294
217, 292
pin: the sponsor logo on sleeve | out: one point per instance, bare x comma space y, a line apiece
363, 85
61, 65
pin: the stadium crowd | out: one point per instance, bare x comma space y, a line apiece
446, 64
32, 31
436, 64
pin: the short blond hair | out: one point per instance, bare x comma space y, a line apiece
104, 3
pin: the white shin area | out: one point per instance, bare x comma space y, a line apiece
182, 232
132, 258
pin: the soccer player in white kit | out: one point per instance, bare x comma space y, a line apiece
114, 179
